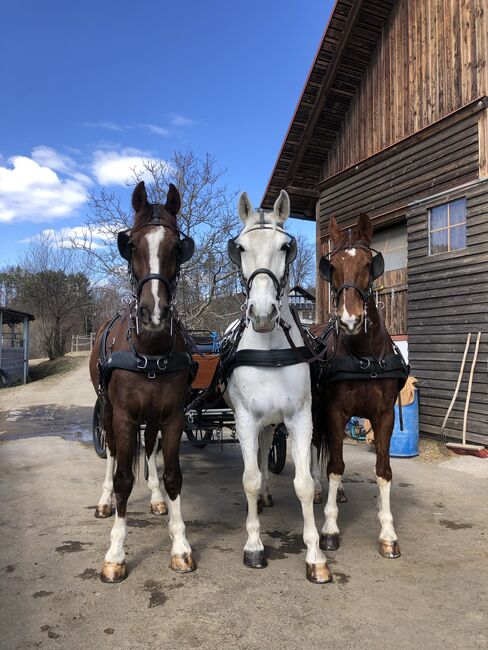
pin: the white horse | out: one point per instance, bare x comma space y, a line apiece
262, 397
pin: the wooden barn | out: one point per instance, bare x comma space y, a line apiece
393, 121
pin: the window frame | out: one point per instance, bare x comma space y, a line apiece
449, 226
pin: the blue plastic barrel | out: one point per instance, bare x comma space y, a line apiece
405, 444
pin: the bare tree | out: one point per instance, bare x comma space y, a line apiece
302, 272
206, 214
50, 283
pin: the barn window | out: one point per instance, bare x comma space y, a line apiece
447, 227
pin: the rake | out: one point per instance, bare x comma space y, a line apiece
463, 447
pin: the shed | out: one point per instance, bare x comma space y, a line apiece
393, 121
14, 344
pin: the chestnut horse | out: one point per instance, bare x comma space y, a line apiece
358, 344
149, 337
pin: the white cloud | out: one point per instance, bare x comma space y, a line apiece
73, 236
43, 187
154, 128
179, 120
109, 126
118, 167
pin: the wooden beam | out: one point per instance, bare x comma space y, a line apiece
326, 86
303, 191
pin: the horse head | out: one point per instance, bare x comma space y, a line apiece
155, 250
264, 252
351, 270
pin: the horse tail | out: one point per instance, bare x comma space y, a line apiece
136, 453
319, 434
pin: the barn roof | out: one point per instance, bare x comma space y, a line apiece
343, 55
14, 315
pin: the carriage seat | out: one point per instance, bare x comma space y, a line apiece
206, 342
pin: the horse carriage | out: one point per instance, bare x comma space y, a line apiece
208, 419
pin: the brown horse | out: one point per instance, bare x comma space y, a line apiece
144, 377
361, 376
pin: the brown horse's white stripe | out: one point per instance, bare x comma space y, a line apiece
154, 240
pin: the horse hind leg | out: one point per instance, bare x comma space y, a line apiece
329, 534
388, 540
158, 505
266, 437
114, 567
316, 474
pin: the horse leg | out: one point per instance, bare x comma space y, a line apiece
341, 495
266, 437
383, 428
329, 535
104, 506
254, 557
158, 506
114, 567
316, 474
181, 555
300, 430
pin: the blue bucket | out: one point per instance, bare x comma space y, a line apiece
405, 444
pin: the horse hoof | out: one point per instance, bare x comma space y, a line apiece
113, 572
159, 508
255, 559
329, 542
183, 563
317, 497
102, 512
319, 574
341, 496
389, 550
267, 501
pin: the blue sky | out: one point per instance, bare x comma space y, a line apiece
90, 87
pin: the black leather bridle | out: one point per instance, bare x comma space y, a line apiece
234, 251
187, 248
377, 269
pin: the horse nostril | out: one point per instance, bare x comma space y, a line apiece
165, 313
145, 313
273, 313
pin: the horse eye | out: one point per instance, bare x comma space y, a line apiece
285, 247
241, 248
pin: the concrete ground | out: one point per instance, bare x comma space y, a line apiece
52, 548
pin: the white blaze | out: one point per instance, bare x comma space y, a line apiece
154, 240
348, 320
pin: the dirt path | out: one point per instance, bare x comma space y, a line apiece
72, 388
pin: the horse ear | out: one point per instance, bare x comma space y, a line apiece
365, 226
281, 207
334, 231
173, 200
245, 207
139, 197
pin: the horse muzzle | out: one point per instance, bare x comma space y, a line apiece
263, 323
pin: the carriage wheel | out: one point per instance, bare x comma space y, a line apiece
277, 451
199, 438
99, 441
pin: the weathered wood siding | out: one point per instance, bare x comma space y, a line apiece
430, 60
447, 298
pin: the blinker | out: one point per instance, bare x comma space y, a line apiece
124, 245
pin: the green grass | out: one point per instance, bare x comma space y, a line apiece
55, 367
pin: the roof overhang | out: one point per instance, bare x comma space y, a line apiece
343, 55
